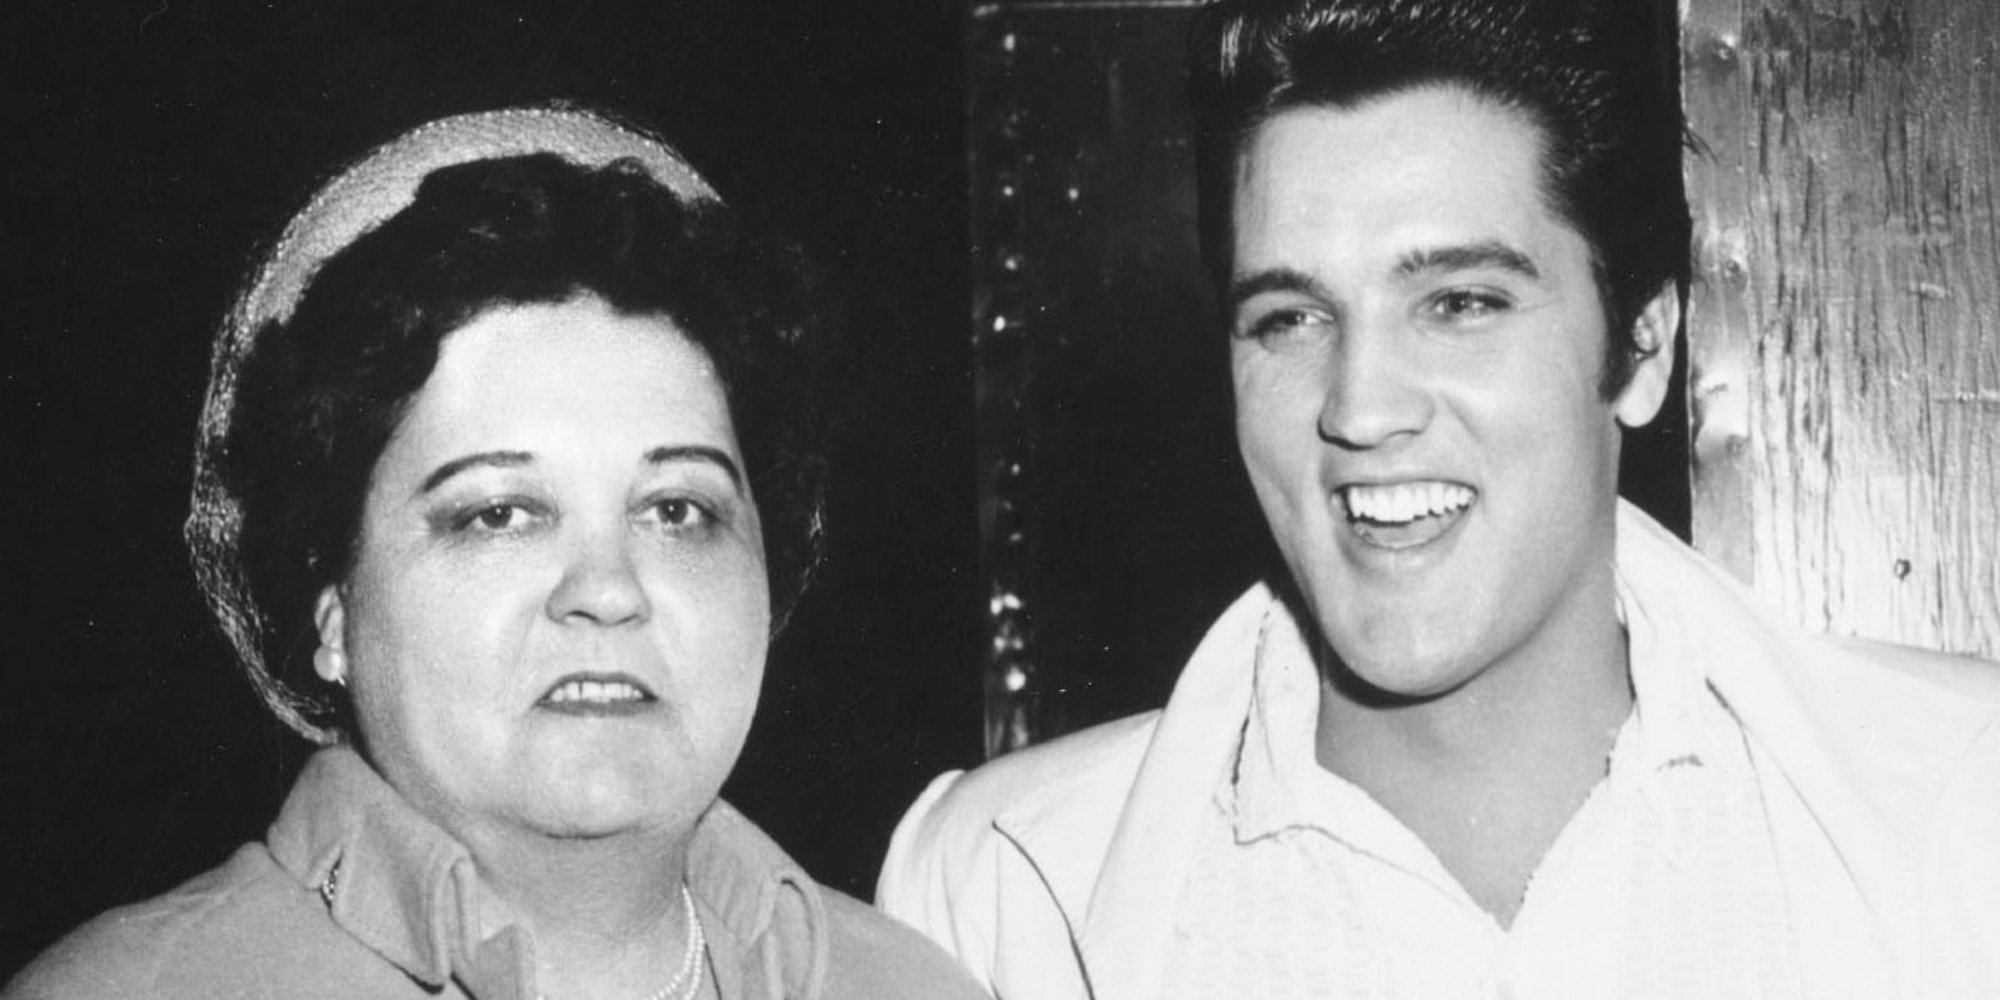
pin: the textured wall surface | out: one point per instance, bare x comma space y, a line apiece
1845, 331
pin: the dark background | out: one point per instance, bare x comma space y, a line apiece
154, 145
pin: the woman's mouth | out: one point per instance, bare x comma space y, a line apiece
598, 694
1405, 515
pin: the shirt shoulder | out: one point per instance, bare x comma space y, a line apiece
137, 950
1959, 870
954, 856
872, 956
1968, 677
1078, 780
241, 929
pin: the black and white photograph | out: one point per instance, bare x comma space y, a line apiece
1111, 499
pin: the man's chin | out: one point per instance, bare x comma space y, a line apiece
1387, 668
1390, 685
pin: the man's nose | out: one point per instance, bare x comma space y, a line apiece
1374, 389
600, 582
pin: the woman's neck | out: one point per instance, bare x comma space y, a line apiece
605, 913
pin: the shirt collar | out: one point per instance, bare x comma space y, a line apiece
1278, 783
1676, 723
755, 898
408, 891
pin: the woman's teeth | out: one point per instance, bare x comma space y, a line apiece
1402, 503
599, 692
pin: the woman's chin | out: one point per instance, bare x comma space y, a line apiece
569, 817
607, 800
584, 827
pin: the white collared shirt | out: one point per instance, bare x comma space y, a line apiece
1662, 885
1076, 868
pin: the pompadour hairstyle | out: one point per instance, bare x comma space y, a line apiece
1588, 73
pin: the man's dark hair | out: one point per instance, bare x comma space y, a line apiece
1588, 73
321, 394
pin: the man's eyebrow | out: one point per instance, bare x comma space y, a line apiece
496, 459
1243, 287
1466, 257
697, 453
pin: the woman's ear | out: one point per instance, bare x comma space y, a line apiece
330, 618
1653, 342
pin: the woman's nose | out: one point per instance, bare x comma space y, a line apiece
600, 583
1374, 394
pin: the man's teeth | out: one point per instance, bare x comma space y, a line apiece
1404, 502
596, 691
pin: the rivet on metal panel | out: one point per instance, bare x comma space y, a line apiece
1008, 638
1009, 172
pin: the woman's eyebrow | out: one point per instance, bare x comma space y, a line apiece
697, 453
498, 459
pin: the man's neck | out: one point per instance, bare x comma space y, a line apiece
1488, 775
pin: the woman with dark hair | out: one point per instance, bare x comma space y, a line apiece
508, 472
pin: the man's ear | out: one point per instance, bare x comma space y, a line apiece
330, 620
1653, 342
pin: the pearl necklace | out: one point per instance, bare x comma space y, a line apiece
688, 980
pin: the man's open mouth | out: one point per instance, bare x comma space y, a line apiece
1405, 515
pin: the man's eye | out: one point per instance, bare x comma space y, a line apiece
1461, 304
1281, 323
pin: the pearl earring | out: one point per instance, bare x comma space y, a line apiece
330, 664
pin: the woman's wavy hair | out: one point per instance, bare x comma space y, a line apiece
321, 393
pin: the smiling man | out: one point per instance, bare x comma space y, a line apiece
1490, 732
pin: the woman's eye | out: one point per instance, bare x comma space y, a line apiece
496, 517
681, 513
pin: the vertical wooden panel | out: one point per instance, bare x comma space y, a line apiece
1845, 335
